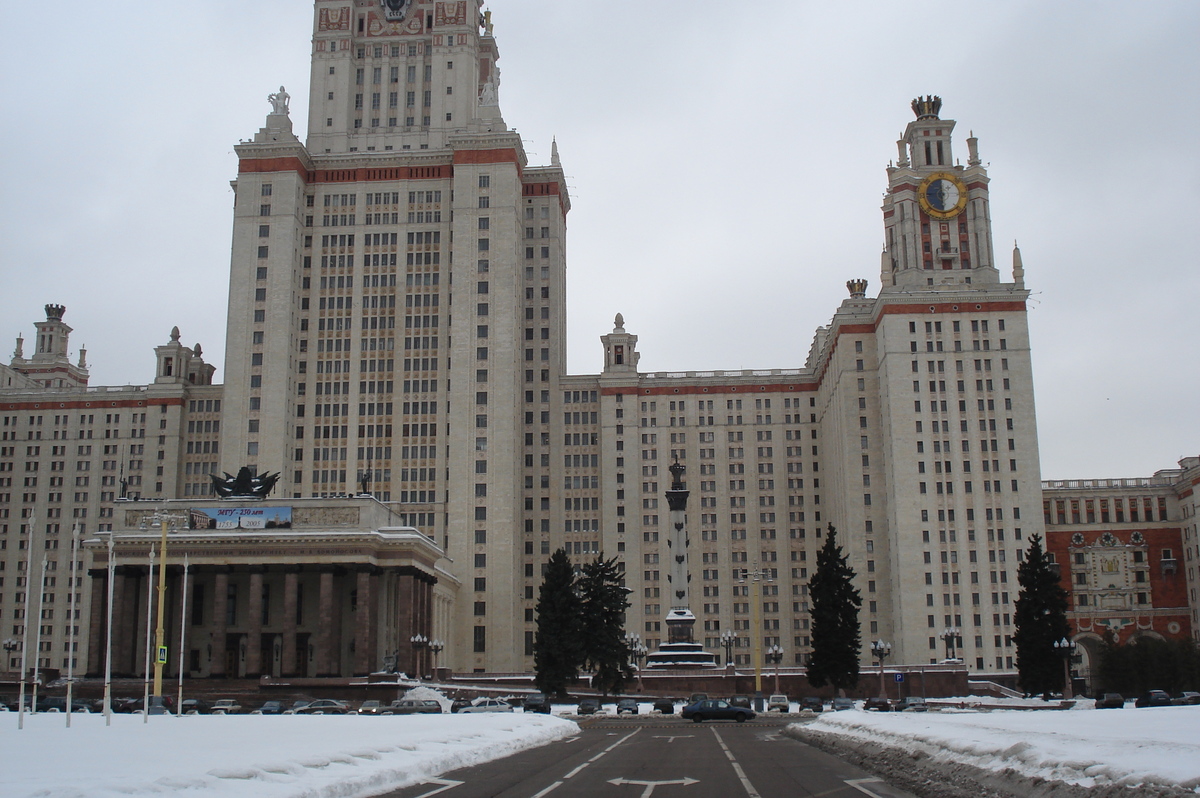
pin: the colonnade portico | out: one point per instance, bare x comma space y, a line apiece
331, 594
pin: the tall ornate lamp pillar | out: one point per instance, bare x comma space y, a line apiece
729, 640
774, 657
1066, 648
881, 650
166, 522
680, 619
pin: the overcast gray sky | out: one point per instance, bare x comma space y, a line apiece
726, 164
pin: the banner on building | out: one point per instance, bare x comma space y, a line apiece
241, 518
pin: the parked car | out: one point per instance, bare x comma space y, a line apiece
716, 709
665, 705
912, 703
740, 701
841, 703
325, 706
269, 708
588, 706
812, 703
778, 703
697, 697
1154, 698
1186, 698
296, 706
195, 706
223, 706
413, 706
536, 702
486, 705
627, 705
878, 704
1110, 701
459, 703
372, 706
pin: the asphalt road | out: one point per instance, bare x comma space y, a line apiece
663, 758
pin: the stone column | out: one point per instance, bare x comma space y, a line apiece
404, 623
124, 605
291, 586
325, 622
216, 666
254, 624
363, 624
97, 622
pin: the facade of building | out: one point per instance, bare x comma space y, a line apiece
1126, 551
396, 326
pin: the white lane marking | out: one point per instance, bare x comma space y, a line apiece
673, 738
548, 789
574, 739
741, 774
446, 784
859, 784
575, 772
650, 785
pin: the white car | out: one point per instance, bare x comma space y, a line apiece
487, 705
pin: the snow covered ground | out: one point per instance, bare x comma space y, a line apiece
255, 756
1083, 746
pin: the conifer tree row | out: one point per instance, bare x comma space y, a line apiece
580, 624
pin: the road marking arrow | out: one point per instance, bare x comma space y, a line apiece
650, 785
446, 784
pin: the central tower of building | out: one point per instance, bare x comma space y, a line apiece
396, 298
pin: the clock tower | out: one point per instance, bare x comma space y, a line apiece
937, 224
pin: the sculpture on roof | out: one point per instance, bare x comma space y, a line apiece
247, 484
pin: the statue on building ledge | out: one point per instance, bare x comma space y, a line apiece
248, 484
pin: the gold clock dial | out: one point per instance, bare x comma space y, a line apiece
942, 195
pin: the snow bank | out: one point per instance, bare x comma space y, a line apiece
1129, 747
256, 756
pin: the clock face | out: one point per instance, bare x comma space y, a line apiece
942, 196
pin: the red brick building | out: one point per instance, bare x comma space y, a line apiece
1125, 550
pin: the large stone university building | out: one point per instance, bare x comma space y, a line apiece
396, 327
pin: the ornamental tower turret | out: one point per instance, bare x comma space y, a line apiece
937, 224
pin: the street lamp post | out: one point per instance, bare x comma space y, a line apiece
728, 640
1067, 649
881, 650
756, 577
419, 642
637, 653
951, 637
166, 522
436, 646
774, 657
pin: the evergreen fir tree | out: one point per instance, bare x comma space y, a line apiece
1041, 619
604, 601
834, 608
557, 641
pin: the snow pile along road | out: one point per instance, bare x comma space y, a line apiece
255, 756
1144, 748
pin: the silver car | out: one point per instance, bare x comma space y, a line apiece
487, 705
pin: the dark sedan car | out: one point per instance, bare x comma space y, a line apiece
325, 706
412, 706
1154, 698
878, 704
665, 705
536, 702
627, 705
812, 703
1110, 701
716, 709
588, 706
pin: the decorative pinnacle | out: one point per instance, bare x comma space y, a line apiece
55, 312
927, 107
857, 287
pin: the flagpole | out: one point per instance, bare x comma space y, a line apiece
108, 635
37, 658
25, 636
149, 620
71, 622
182, 635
